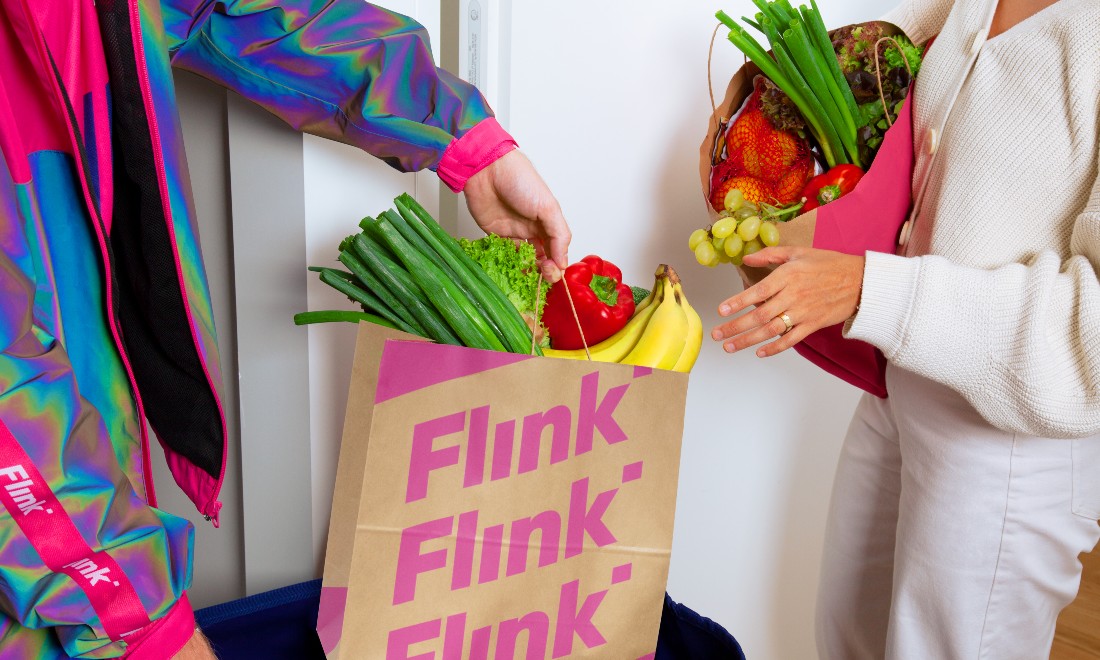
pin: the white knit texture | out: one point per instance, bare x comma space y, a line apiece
1002, 302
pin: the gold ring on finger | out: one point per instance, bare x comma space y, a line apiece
786, 322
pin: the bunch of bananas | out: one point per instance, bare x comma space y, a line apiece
665, 331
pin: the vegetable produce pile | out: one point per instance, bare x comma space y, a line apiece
829, 96
765, 163
405, 272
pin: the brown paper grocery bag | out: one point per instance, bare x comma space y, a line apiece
349, 477
509, 506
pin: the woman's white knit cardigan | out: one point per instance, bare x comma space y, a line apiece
999, 297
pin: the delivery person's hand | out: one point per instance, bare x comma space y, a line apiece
197, 648
509, 198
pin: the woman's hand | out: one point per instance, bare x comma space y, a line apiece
509, 198
814, 288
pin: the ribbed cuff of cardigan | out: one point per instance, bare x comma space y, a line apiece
478, 148
889, 287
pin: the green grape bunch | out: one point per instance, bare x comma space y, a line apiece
742, 228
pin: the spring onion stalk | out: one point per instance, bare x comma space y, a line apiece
403, 220
788, 8
508, 318
756, 53
394, 277
335, 271
803, 64
407, 273
773, 11
804, 76
340, 315
779, 48
416, 241
444, 293
801, 70
504, 318
504, 307
433, 249
815, 27
363, 297
372, 253
812, 64
420, 242
385, 295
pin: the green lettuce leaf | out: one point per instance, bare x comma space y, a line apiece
514, 268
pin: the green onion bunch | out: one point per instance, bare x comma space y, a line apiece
803, 64
407, 273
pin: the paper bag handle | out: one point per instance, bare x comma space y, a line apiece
719, 123
878, 76
710, 82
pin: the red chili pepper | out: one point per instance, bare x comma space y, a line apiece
604, 304
831, 185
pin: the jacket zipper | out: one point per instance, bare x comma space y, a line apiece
212, 507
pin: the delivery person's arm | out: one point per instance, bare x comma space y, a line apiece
356, 73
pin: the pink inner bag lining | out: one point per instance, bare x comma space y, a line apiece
866, 220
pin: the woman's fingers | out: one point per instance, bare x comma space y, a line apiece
557, 234
797, 334
816, 288
754, 295
759, 317
772, 256
753, 337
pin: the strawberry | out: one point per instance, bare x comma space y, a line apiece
778, 162
754, 189
789, 188
719, 174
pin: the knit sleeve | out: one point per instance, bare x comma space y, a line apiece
920, 19
1021, 342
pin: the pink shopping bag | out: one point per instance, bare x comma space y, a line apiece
868, 219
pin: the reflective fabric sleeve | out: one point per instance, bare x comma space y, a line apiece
342, 69
81, 554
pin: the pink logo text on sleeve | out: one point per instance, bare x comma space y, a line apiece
23, 491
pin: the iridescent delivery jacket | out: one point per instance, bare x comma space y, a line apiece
105, 315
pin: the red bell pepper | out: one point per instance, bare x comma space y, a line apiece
603, 303
831, 185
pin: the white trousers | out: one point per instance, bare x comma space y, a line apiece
948, 538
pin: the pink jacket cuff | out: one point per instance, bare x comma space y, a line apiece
473, 152
164, 637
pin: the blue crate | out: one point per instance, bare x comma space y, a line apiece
282, 624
